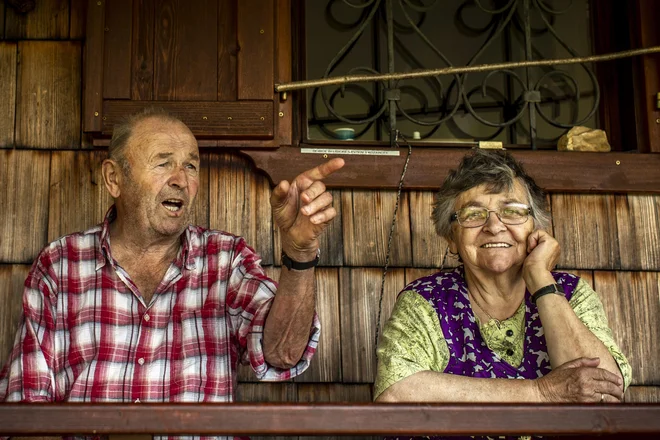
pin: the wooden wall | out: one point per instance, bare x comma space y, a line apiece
51, 186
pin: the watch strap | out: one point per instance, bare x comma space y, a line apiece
552, 288
297, 265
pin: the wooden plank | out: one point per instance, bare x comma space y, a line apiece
367, 219
283, 51
638, 224
334, 392
643, 395
48, 104
180, 73
8, 59
328, 418
239, 202
358, 308
49, 20
248, 120
610, 30
12, 277
227, 50
256, 42
117, 51
78, 18
2, 20
267, 392
326, 363
142, 50
234, 143
585, 226
648, 14
554, 171
633, 311
78, 197
428, 248
93, 83
24, 201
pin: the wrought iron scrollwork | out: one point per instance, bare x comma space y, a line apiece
384, 102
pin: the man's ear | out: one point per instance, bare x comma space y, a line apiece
112, 175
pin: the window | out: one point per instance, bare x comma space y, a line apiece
530, 107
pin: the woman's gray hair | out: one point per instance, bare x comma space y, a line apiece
123, 131
496, 169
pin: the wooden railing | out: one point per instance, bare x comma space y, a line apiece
329, 419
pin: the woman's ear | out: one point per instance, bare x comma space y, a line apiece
452, 247
112, 175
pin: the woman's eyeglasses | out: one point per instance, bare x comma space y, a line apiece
474, 216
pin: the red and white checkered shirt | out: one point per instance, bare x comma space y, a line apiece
87, 336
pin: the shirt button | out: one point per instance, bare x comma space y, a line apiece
141, 361
509, 352
147, 317
509, 333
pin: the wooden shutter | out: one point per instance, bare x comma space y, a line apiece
211, 63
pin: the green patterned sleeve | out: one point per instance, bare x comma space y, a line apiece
588, 307
412, 341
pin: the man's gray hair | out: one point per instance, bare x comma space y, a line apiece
123, 131
496, 169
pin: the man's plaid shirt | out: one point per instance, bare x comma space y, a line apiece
87, 336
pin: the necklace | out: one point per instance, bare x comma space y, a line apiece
490, 318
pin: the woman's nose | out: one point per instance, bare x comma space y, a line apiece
493, 223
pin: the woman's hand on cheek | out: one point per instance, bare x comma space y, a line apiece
543, 254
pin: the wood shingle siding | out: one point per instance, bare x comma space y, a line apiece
48, 94
638, 224
8, 56
24, 202
585, 227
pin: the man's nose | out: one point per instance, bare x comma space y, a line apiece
179, 178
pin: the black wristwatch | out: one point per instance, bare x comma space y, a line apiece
297, 265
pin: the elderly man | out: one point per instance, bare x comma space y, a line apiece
146, 307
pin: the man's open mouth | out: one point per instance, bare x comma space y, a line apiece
173, 205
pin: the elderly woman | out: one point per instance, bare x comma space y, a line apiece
462, 335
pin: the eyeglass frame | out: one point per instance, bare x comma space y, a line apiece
454, 216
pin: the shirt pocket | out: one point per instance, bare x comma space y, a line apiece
202, 368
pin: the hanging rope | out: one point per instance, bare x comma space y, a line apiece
313, 83
389, 240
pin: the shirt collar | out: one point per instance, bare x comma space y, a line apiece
187, 254
103, 255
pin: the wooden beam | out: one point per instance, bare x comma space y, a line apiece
246, 120
553, 170
323, 419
